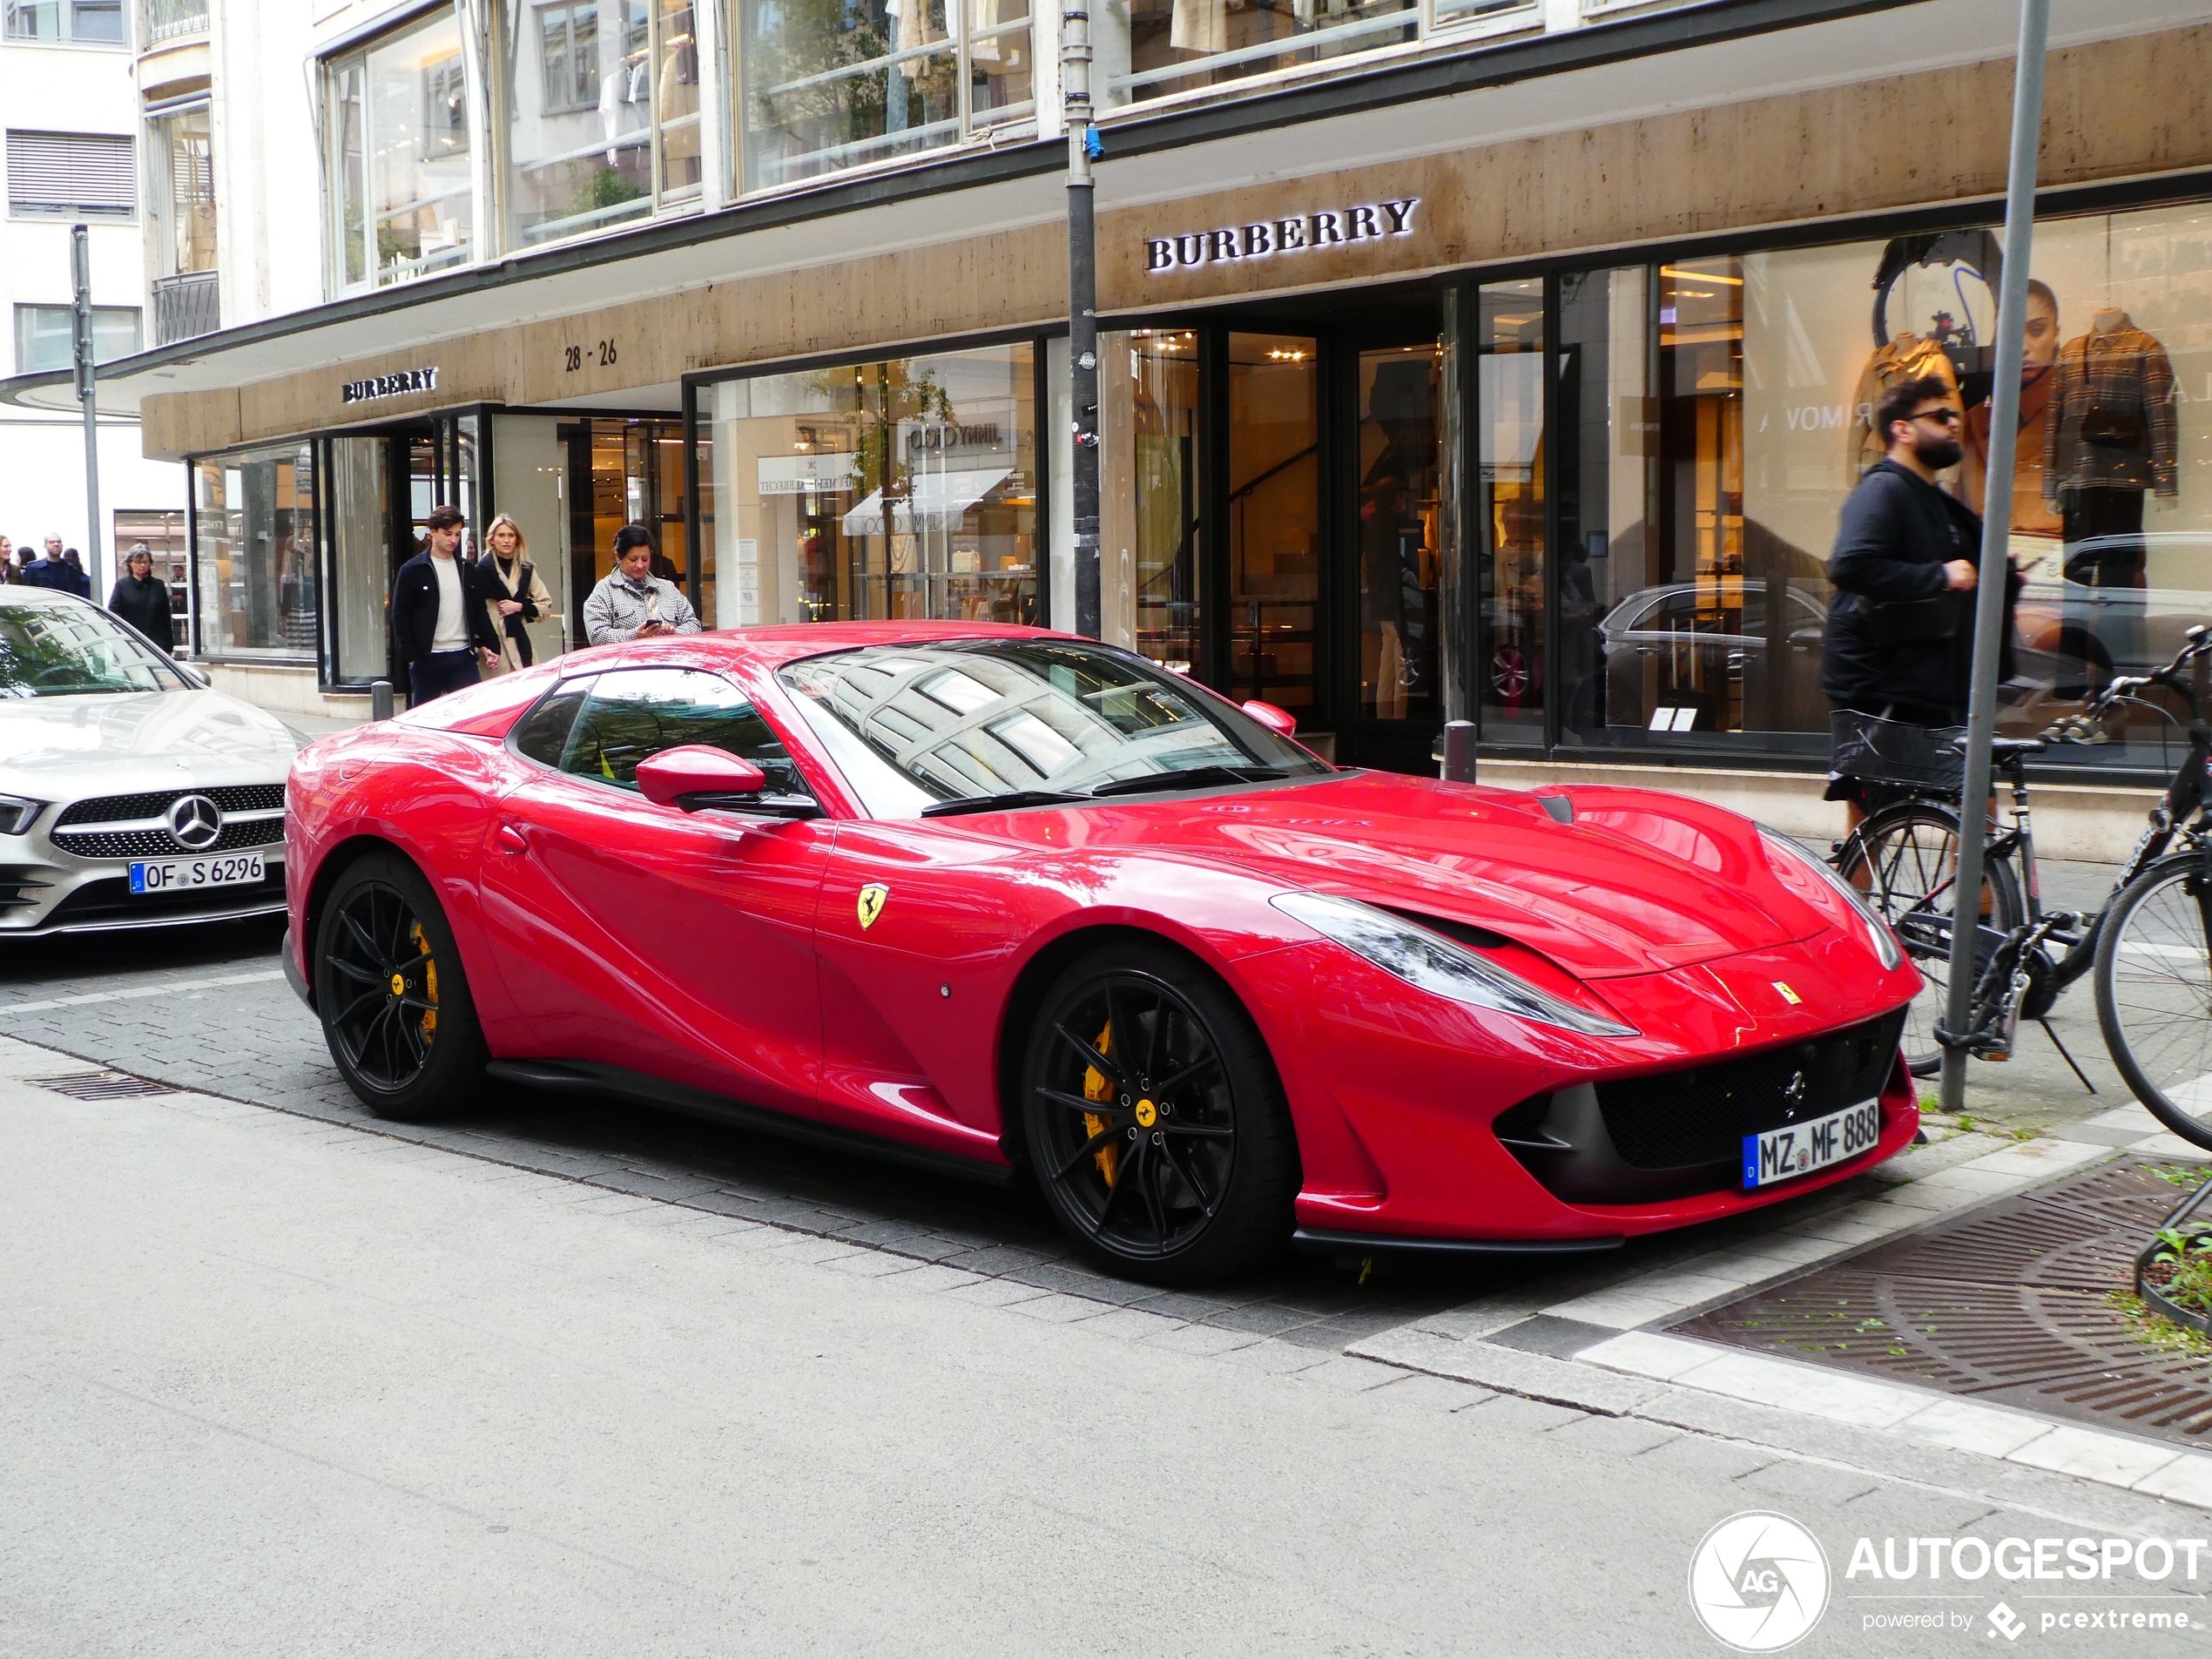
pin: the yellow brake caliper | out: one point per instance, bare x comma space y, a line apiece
429, 988
1096, 1087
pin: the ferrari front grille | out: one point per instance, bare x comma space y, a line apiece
1675, 1119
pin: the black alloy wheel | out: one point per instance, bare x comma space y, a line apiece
1156, 1123
394, 999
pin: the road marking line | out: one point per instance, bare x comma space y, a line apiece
170, 988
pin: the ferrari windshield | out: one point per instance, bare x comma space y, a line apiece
918, 726
74, 650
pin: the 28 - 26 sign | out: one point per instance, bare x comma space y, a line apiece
575, 357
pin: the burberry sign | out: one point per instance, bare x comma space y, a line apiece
1367, 222
399, 385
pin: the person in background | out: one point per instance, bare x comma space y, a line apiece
141, 598
440, 626
7, 561
1900, 636
49, 570
80, 583
630, 602
518, 593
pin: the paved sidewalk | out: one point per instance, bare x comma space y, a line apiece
273, 1386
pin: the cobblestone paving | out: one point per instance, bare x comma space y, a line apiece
208, 1010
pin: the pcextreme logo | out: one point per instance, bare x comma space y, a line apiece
1759, 1582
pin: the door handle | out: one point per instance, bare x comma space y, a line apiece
512, 839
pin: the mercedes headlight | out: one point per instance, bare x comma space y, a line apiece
1434, 963
1878, 931
15, 813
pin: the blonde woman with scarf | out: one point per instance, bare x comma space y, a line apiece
520, 594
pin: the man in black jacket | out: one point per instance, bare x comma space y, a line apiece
1900, 637
440, 630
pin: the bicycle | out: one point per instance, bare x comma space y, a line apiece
2149, 948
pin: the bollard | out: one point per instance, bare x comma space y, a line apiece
380, 699
1458, 752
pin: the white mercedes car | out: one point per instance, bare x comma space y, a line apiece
130, 794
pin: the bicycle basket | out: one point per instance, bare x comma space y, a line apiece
1891, 751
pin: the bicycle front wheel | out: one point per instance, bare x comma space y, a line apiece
2153, 973
1905, 859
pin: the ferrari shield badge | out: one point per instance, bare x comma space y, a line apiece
873, 897
1788, 995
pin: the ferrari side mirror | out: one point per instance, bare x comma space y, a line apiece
1281, 722
683, 777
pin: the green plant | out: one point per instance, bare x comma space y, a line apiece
2173, 1243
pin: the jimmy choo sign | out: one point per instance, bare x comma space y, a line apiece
1368, 222
405, 381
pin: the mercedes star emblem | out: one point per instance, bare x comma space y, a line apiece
196, 823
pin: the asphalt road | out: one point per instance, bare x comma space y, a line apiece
274, 1387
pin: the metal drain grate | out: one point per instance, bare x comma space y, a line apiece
101, 1085
2011, 1303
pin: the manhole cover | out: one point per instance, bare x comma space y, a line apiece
2010, 1304
101, 1085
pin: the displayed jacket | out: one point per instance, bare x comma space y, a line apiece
619, 607
519, 581
415, 607
144, 605
2112, 426
1897, 533
1907, 357
2033, 515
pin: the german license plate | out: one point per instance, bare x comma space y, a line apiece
1784, 1154
177, 875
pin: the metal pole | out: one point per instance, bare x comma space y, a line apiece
1996, 527
80, 256
1083, 315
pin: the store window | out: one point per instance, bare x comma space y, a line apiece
398, 126
254, 550
1721, 412
1156, 48
184, 190
831, 84
903, 489
603, 114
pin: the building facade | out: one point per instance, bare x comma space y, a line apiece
1504, 361
69, 122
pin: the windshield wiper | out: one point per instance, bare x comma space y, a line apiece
1191, 778
1006, 802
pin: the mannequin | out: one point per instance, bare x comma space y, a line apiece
2110, 438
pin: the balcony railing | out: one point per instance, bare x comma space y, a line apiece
172, 19
185, 308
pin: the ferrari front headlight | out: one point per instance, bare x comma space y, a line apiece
17, 813
1878, 931
1437, 964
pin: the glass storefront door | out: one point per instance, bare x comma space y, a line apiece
1274, 524
1396, 546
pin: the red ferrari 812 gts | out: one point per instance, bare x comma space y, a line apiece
1013, 905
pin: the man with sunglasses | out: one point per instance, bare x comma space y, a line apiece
1899, 643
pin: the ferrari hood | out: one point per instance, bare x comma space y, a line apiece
56, 748
1638, 882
